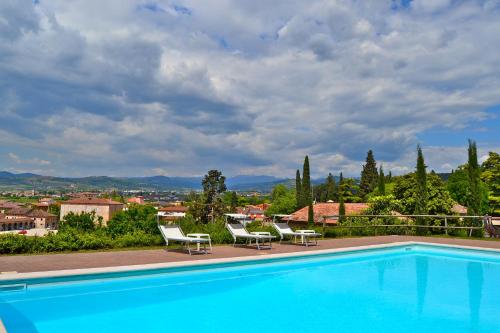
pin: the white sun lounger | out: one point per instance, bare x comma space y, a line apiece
305, 235
173, 233
237, 230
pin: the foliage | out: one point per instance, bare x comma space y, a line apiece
196, 206
325, 191
82, 221
298, 190
348, 189
283, 201
369, 176
438, 200
230, 199
341, 208
491, 176
217, 230
213, 185
384, 205
306, 184
310, 214
458, 187
381, 182
135, 218
420, 185
473, 177
73, 240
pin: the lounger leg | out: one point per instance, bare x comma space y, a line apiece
257, 242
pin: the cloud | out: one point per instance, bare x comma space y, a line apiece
133, 87
33, 161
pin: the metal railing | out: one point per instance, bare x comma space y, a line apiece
485, 220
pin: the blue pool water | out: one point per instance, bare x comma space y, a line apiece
401, 289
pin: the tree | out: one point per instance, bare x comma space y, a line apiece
330, 187
439, 201
473, 180
283, 201
306, 183
458, 187
233, 202
196, 206
369, 176
136, 217
421, 189
298, 189
491, 177
381, 182
213, 184
310, 214
83, 221
341, 208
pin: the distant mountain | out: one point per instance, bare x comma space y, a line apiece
26, 181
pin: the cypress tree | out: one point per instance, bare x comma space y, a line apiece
474, 181
306, 183
369, 175
341, 208
298, 190
310, 215
381, 182
421, 189
330, 187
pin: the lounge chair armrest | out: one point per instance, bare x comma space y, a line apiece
261, 233
306, 231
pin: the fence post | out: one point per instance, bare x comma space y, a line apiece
446, 226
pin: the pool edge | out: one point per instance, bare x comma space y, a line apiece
204, 262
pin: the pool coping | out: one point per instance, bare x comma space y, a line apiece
13, 277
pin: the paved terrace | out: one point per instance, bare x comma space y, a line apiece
50, 262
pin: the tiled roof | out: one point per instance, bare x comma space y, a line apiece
18, 211
91, 201
327, 209
40, 213
459, 209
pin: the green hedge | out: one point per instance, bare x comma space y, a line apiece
74, 241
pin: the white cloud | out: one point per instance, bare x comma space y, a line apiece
124, 88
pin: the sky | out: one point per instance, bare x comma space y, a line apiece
139, 88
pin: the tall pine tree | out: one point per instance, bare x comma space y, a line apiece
306, 183
473, 178
421, 198
298, 190
369, 176
330, 187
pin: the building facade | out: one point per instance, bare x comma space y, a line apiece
105, 208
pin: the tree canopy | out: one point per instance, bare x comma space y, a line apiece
491, 177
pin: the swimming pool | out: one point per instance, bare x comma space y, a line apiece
416, 288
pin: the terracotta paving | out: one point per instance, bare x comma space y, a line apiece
50, 262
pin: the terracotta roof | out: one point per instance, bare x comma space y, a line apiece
9, 205
91, 201
23, 211
459, 209
40, 213
4, 220
327, 209
172, 209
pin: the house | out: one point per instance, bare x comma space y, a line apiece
459, 209
330, 209
105, 208
28, 218
171, 213
136, 200
8, 205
